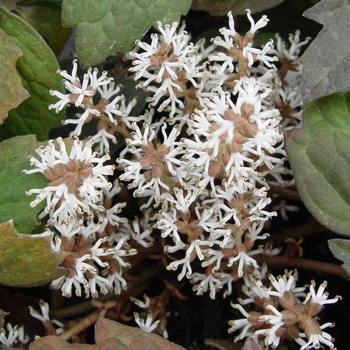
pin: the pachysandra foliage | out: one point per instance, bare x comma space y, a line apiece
36, 264
326, 61
315, 151
36, 68
237, 7
199, 162
14, 204
99, 24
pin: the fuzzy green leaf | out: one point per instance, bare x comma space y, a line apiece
27, 260
326, 61
320, 159
105, 26
12, 91
37, 69
340, 248
238, 7
47, 21
14, 204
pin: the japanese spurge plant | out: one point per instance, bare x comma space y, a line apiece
199, 163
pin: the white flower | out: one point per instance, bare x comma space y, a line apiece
66, 284
239, 47
186, 266
250, 321
112, 217
167, 224
285, 283
142, 304
153, 163
207, 282
254, 288
12, 337
162, 61
292, 53
320, 297
77, 90
69, 229
76, 179
283, 207
117, 280
119, 252
147, 326
104, 284
182, 202
102, 139
96, 252
243, 258
281, 284
81, 95
45, 318
142, 231
315, 340
275, 320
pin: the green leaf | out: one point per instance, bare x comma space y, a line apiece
37, 69
327, 59
27, 260
52, 4
320, 160
104, 26
12, 91
47, 21
238, 7
340, 248
14, 204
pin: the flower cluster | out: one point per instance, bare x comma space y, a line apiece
208, 174
77, 179
282, 314
15, 336
81, 214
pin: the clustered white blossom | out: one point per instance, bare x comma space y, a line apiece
282, 314
200, 168
75, 198
14, 336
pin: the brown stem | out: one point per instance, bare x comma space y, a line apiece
310, 228
284, 192
83, 324
26, 2
283, 261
